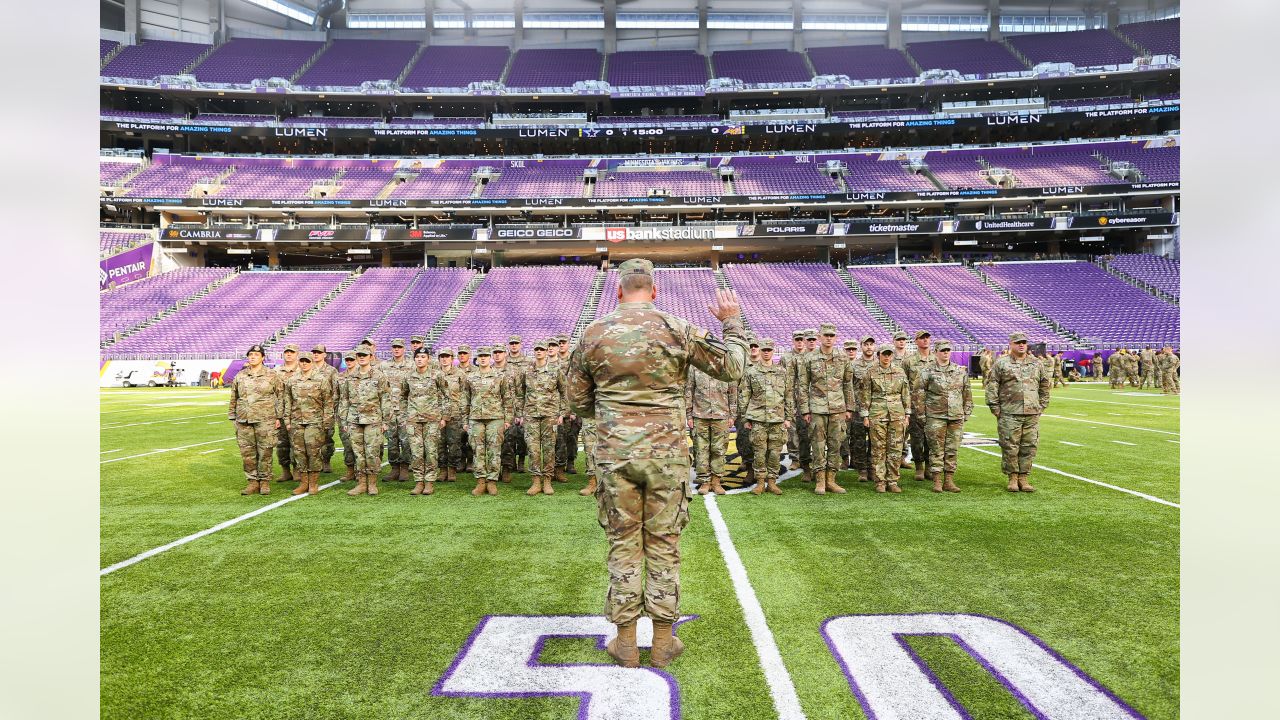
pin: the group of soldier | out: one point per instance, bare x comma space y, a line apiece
1145, 368
436, 416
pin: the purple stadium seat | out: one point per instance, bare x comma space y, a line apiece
902, 300
1160, 273
553, 68
761, 66
775, 308
1082, 48
657, 67
349, 317
985, 314
153, 57
347, 63
1161, 37
128, 305
967, 57
861, 62
535, 302
243, 60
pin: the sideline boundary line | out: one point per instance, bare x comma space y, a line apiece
1099, 422
158, 422
785, 700
1046, 468
165, 450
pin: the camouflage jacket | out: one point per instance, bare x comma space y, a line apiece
308, 399
425, 395
287, 374
629, 371
1018, 387
765, 394
984, 363
913, 364
455, 393
365, 397
826, 384
861, 368
885, 394
395, 372
707, 398
256, 396
330, 373
943, 392
1167, 363
487, 396
792, 362
539, 392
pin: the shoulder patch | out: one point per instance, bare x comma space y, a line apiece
700, 333
713, 342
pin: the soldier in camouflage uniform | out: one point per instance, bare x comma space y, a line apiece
885, 407
540, 409
257, 404
742, 441
1115, 369
859, 437
399, 454
1167, 363
1017, 392
425, 395
1133, 372
451, 442
805, 448
1150, 378
764, 403
788, 366
589, 452
899, 356
943, 397
466, 367
348, 451
513, 444
319, 364
367, 406
1058, 362
913, 365
985, 360
567, 436
826, 398
507, 450
628, 374
284, 452
846, 456
489, 413
308, 410
709, 404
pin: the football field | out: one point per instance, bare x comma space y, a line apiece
983, 604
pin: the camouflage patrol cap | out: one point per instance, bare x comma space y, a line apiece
362, 350
444, 351
305, 359
318, 348
923, 333
810, 334
1018, 337
942, 345
514, 339
869, 339
828, 328
751, 339
255, 349
418, 338
483, 350
543, 344
398, 342
291, 347
464, 349
797, 335
635, 266
499, 348
349, 355
766, 344
850, 344
421, 351
367, 341
562, 339
885, 348
900, 335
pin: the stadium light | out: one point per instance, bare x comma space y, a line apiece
602, 249
239, 251
839, 246
359, 251
717, 247
287, 9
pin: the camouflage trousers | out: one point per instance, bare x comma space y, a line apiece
424, 444
1170, 383
326, 453
398, 450
802, 450
766, 446
348, 452
742, 441
826, 431
308, 446
643, 506
1019, 438
1059, 381
367, 441
919, 439
567, 442
451, 439
710, 441
944, 443
1150, 379
1134, 379
256, 441
858, 446
589, 446
886, 448
540, 437
1117, 380
513, 446
284, 449
486, 443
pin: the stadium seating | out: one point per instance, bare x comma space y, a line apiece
761, 66
221, 119
868, 172
243, 60
259, 180
365, 180
415, 121
967, 57
128, 305
105, 47
536, 302
347, 63
433, 290
686, 292
174, 175
536, 179
1161, 37
1082, 48
111, 172
1158, 164
332, 121
1085, 299
144, 115
627, 120
904, 302
869, 114
861, 62
448, 66
677, 182
1086, 102
111, 242
247, 309
657, 67
778, 299
761, 175
450, 179
553, 68
153, 57
985, 314
1035, 166
349, 317
1160, 273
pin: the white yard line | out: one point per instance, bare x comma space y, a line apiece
165, 450
208, 531
1148, 406
1099, 422
107, 452
1121, 442
206, 452
785, 700
1175, 442
1064, 442
1144, 496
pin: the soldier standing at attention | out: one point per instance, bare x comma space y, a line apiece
900, 355
308, 410
826, 397
425, 396
367, 406
1017, 392
1170, 383
567, 437
846, 446
789, 367
985, 361
257, 404
885, 407
913, 365
466, 367
283, 450
1149, 375
506, 455
489, 412
628, 373
398, 452
348, 451
709, 404
802, 425
320, 366
1133, 372
515, 435
1115, 369
859, 438
454, 410
746, 454
943, 397
540, 409
764, 401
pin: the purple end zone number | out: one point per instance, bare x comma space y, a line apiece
892, 682
500, 660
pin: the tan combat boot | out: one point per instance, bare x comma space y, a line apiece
904, 465
1023, 485
287, 475
948, 483
417, 488
937, 482
758, 488
325, 467
832, 485
893, 488
666, 646
429, 488
264, 486
303, 479
806, 475
590, 489
535, 486
879, 486
504, 476
560, 476
546, 486
772, 486
704, 487
520, 464
821, 487
1013, 483
862, 476
921, 471
479, 488
351, 474
623, 648
491, 487
373, 483
450, 475
361, 487
313, 485
251, 488
716, 487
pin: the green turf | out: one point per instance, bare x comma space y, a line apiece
337, 607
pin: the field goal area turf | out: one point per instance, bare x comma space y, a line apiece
982, 604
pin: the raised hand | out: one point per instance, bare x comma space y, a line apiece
726, 305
